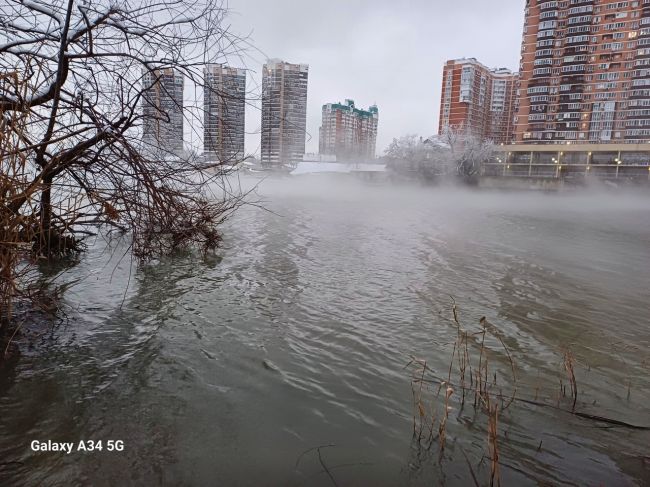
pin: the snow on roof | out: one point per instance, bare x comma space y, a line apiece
436, 140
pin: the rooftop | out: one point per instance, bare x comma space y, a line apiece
349, 106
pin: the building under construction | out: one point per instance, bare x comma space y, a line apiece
224, 113
348, 132
163, 111
284, 112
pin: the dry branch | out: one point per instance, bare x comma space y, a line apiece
72, 87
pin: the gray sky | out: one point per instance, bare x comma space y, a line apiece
375, 51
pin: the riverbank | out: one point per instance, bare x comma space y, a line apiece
379, 173
523, 183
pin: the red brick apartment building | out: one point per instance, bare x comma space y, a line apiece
478, 99
585, 72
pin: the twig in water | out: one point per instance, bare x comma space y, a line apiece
471, 470
310, 450
320, 459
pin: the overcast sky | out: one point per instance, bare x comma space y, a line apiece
386, 52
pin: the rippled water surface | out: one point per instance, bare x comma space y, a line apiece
232, 369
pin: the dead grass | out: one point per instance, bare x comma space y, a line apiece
479, 360
569, 361
469, 372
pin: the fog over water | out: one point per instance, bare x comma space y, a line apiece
231, 369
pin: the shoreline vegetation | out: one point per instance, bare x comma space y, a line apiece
481, 386
74, 160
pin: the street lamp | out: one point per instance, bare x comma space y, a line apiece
501, 161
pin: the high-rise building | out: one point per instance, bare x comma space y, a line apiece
585, 72
163, 110
284, 112
478, 100
348, 132
224, 99
503, 96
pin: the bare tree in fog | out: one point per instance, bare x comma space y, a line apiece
411, 155
468, 152
456, 152
74, 75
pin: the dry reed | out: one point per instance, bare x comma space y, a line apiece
469, 370
472, 370
569, 361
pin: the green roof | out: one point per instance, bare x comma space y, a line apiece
373, 110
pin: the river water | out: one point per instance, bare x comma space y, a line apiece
234, 368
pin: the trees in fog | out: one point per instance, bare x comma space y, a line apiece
455, 153
74, 75
467, 151
411, 155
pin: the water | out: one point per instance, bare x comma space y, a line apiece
232, 369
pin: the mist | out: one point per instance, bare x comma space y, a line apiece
442, 315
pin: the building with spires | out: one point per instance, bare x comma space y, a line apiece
348, 132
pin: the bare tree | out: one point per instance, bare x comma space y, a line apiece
468, 151
423, 158
74, 78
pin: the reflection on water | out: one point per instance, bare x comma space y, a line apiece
233, 370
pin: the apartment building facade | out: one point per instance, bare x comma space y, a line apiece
478, 100
224, 100
162, 129
502, 105
585, 72
284, 112
348, 132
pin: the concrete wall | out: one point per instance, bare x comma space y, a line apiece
524, 183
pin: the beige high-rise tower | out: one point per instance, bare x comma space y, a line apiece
284, 112
163, 111
224, 112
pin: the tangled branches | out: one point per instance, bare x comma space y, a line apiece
74, 78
